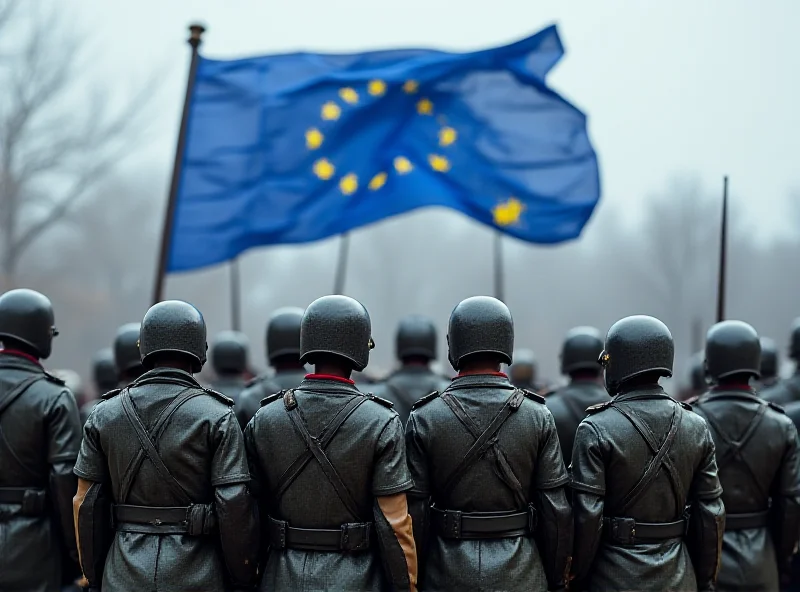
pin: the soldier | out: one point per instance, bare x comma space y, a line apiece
40, 433
638, 461
415, 346
769, 365
788, 390
522, 372
758, 463
126, 354
489, 504
697, 377
229, 359
104, 372
579, 355
169, 455
283, 353
330, 467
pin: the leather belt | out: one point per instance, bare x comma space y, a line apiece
31, 500
350, 537
743, 521
626, 531
452, 524
194, 520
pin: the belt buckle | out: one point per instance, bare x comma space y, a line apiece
452, 523
277, 539
360, 539
623, 530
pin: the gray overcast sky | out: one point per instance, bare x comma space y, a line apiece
708, 87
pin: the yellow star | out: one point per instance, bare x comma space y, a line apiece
439, 163
402, 165
509, 212
424, 107
324, 169
349, 184
349, 95
376, 87
331, 111
377, 181
314, 138
410, 87
447, 136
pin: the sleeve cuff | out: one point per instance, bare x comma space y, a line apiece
231, 479
393, 489
585, 487
553, 483
88, 476
708, 495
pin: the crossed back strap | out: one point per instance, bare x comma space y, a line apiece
16, 392
148, 448
315, 448
660, 457
485, 440
734, 448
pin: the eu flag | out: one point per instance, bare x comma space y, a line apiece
299, 147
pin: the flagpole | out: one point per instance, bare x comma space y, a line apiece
235, 296
341, 264
723, 253
499, 275
194, 41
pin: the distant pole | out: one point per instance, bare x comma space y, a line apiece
697, 335
723, 253
194, 41
236, 298
499, 275
341, 264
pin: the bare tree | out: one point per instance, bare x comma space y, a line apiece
57, 140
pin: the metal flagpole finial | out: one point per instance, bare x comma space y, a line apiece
196, 33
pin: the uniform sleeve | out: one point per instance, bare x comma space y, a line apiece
418, 497
785, 511
92, 464
391, 474
589, 487
229, 464
550, 471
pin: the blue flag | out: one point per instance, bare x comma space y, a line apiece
299, 147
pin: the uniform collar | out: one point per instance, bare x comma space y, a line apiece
651, 392
20, 354
730, 392
329, 377
167, 375
493, 380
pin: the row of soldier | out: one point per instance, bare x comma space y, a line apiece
325, 489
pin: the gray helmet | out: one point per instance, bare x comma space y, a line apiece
480, 324
794, 342
697, 372
173, 326
416, 336
104, 370
27, 316
769, 358
229, 352
283, 333
126, 347
336, 325
634, 346
581, 350
732, 347
523, 371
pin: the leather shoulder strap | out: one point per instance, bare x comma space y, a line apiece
598, 407
315, 448
380, 401
271, 398
425, 400
529, 394
18, 391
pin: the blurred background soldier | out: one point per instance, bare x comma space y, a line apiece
415, 346
126, 354
229, 359
489, 504
770, 364
758, 463
638, 461
283, 353
330, 467
788, 390
170, 455
104, 373
523, 373
40, 433
697, 377
579, 360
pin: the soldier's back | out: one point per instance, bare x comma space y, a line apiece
568, 406
194, 443
756, 453
260, 387
408, 385
363, 451
784, 392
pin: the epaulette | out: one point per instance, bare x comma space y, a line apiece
110, 394
219, 396
271, 398
776, 407
686, 405
597, 408
425, 400
380, 401
54, 379
533, 396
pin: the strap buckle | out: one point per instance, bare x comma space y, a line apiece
452, 523
623, 530
277, 533
355, 536
532, 518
